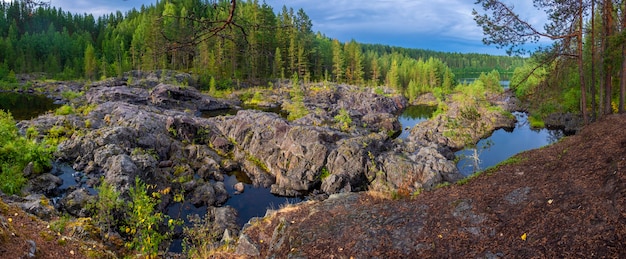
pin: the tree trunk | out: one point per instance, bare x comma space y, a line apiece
608, 24
622, 85
581, 68
594, 107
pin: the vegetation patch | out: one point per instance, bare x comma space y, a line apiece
536, 122
64, 110
16, 152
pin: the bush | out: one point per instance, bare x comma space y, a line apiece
64, 110
16, 152
343, 119
143, 221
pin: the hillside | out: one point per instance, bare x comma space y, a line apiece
566, 200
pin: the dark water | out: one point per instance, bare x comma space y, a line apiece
25, 106
413, 115
254, 201
504, 143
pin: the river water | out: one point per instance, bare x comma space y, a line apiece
501, 145
505, 143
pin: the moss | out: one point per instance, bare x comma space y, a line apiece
536, 122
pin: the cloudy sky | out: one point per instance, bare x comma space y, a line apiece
442, 25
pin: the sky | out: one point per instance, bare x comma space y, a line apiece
440, 25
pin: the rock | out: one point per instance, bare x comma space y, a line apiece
181, 98
224, 219
44, 184
37, 205
221, 194
32, 249
75, 203
569, 122
209, 194
246, 247
239, 187
117, 94
121, 172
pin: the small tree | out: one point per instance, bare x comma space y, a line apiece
91, 63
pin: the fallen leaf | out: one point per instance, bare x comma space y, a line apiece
550, 201
523, 236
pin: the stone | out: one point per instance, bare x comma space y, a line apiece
246, 247
76, 202
239, 187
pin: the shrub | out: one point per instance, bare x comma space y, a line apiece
16, 152
143, 221
64, 110
344, 119
70, 95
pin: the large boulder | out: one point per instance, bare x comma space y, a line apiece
181, 98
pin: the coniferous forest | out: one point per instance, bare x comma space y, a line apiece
265, 44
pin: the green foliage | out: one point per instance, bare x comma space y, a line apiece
571, 99
536, 122
108, 206
524, 83
59, 225
65, 110
324, 173
491, 81
16, 152
143, 221
296, 108
80, 45
71, 95
343, 119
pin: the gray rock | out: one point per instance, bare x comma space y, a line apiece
37, 205
246, 247
121, 172
32, 249
44, 184
75, 203
208, 194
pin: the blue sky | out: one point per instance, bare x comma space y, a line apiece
441, 25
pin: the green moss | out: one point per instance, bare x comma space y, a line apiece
536, 122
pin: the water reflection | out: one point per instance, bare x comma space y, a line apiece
504, 143
25, 106
413, 115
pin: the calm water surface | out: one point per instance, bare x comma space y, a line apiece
25, 106
504, 143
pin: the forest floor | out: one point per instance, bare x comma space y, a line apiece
565, 200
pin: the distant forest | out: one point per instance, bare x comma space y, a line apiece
264, 45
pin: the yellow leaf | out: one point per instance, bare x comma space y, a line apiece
523, 236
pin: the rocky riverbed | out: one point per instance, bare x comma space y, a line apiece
149, 128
